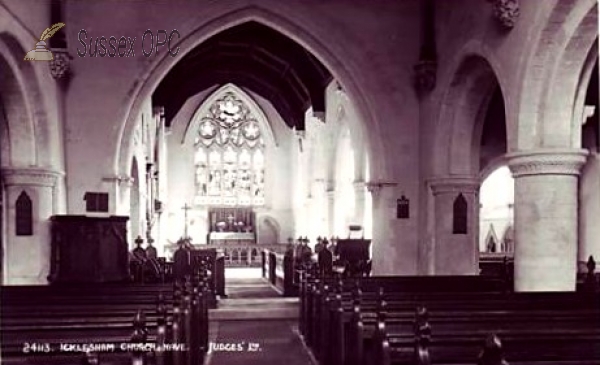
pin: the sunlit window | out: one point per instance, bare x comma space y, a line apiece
229, 158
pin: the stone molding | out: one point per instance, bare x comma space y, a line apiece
30, 177
360, 186
547, 162
60, 66
506, 12
425, 76
119, 179
330, 194
375, 187
455, 185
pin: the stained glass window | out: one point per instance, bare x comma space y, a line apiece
229, 160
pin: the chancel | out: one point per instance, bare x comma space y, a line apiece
339, 182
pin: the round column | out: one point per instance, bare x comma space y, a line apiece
360, 194
330, 211
455, 252
27, 257
546, 211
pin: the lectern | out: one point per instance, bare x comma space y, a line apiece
89, 249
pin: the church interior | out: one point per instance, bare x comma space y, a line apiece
337, 182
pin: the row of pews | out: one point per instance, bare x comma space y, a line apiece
278, 269
445, 320
101, 324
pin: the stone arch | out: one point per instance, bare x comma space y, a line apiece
227, 15
552, 72
21, 132
265, 123
459, 125
591, 62
492, 166
269, 230
37, 136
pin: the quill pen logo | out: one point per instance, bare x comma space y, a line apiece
41, 52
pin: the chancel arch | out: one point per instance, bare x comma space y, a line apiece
224, 166
229, 15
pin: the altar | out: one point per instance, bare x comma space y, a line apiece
231, 225
237, 238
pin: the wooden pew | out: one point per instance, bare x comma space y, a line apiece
279, 270
542, 341
104, 323
318, 293
327, 311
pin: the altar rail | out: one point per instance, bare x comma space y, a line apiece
246, 255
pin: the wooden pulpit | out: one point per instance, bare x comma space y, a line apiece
89, 249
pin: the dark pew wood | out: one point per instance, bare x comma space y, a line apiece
279, 270
90, 317
458, 344
331, 309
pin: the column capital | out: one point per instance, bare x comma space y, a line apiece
28, 176
359, 186
375, 187
119, 179
546, 162
454, 184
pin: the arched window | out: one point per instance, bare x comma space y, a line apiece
24, 215
229, 158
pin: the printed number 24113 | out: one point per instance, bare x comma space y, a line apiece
35, 347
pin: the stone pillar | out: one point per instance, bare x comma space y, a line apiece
589, 211
27, 258
455, 252
546, 201
394, 242
360, 194
330, 211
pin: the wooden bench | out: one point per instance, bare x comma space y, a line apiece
278, 269
338, 317
544, 340
89, 317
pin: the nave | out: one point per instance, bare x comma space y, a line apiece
336, 319
129, 186
256, 325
